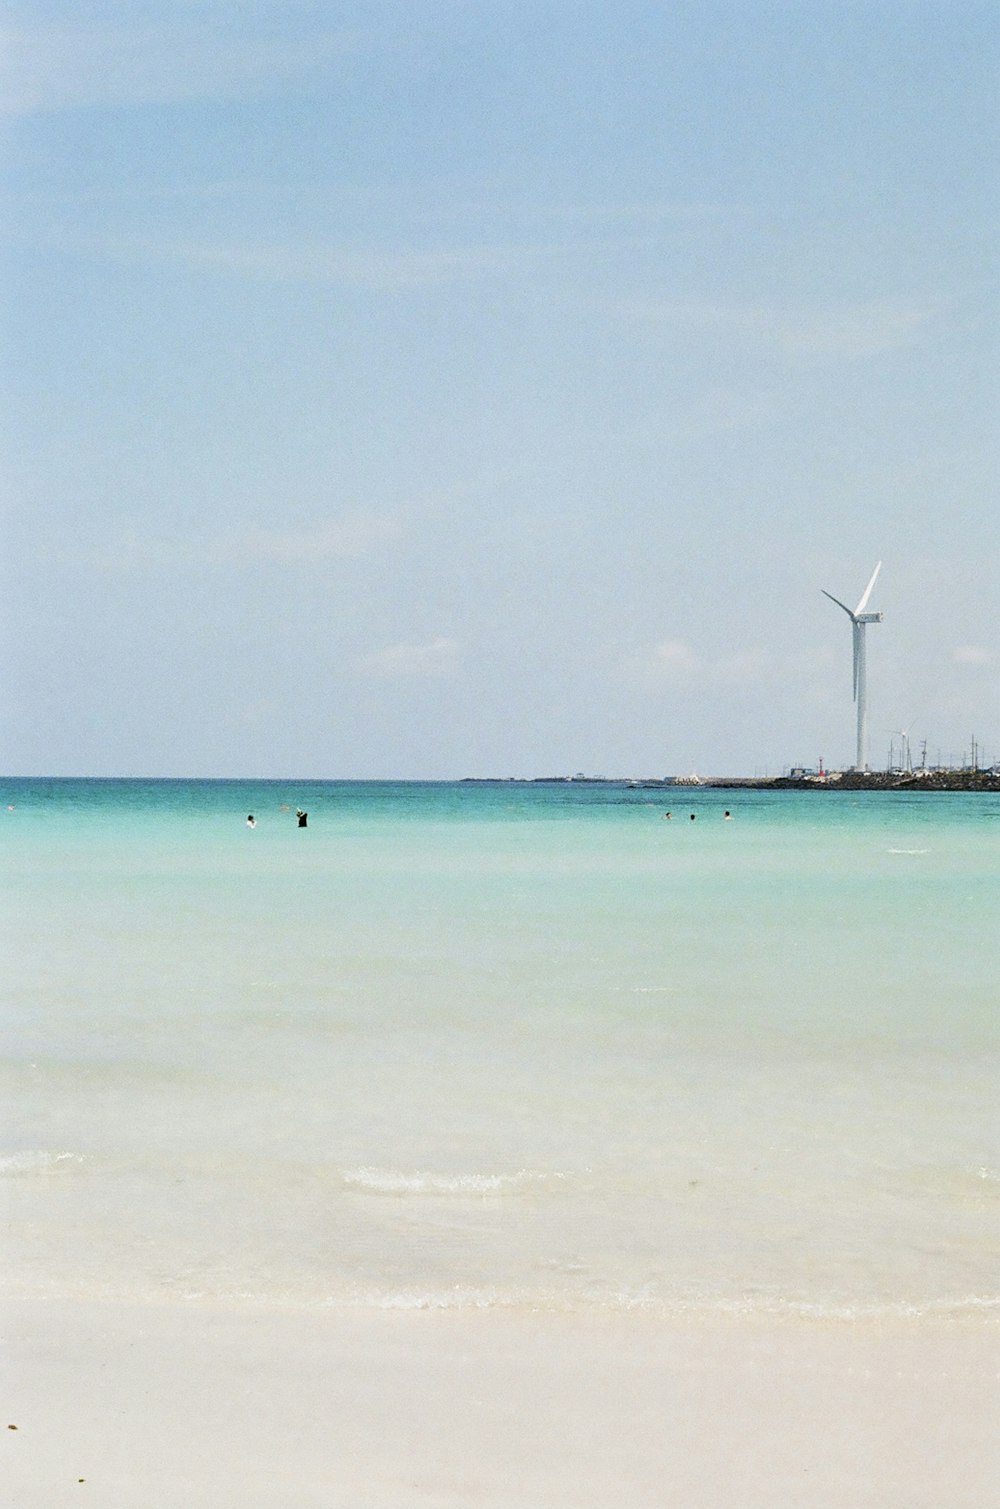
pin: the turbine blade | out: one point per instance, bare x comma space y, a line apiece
868, 590
837, 601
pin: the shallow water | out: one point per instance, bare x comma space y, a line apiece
518, 1045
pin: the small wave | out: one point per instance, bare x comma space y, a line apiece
457, 1298
387, 1181
824, 1310
596, 1300
36, 1162
908, 851
661, 1307
778, 1307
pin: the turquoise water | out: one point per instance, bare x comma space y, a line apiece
502, 1045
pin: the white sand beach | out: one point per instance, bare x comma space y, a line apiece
493, 1156
207, 1408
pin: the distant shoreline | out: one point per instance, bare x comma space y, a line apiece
848, 780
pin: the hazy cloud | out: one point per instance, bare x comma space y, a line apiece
57, 67
351, 535
346, 263
675, 662
673, 658
973, 654
346, 537
438, 657
842, 330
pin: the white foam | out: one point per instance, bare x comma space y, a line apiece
908, 851
387, 1181
36, 1161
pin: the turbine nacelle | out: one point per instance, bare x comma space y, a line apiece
858, 615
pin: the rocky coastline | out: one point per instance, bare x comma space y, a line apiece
874, 780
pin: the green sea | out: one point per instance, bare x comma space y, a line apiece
522, 1045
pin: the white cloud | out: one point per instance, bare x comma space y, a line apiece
972, 654
438, 657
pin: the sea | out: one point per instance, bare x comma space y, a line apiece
512, 1045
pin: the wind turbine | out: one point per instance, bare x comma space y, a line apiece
905, 753
860, 621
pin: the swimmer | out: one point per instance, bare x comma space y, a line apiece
302, 816
693, 816
251, 821
728, 816
667, 816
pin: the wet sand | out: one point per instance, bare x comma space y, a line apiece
206, 1408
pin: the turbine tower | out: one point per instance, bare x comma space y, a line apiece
859, 622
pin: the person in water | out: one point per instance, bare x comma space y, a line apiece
302, 816
251, 821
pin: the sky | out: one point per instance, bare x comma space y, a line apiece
491, 388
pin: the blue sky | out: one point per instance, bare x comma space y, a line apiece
490, 389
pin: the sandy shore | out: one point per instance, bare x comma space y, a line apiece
198, 1408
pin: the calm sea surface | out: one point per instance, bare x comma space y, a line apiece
501, 1045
